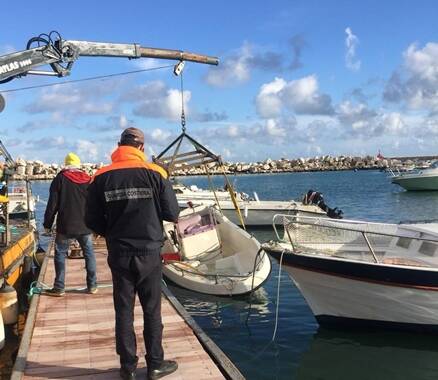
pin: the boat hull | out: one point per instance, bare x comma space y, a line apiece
254, 215
219, 286
11, 257
228, 271
358, 294
417, 183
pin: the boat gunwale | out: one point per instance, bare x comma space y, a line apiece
21, 359
364, 278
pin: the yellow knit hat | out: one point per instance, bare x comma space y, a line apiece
72, 160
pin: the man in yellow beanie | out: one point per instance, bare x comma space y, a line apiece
72, 160
68, 194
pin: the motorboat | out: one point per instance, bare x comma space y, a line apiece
20, 202
205, 252
424, 179
255, 212
355, 273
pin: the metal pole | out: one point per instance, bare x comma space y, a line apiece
28, 201
177, 55
7, 232
370, 248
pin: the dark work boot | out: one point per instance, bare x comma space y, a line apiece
166, 368
126, 375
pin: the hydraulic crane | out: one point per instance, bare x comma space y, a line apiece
51, 49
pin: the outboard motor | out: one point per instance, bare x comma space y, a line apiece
316, 198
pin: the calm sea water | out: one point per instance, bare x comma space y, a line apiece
301, 349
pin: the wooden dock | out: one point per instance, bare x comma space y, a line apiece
72, 337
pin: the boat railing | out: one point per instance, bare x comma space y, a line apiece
394, 172
315, 233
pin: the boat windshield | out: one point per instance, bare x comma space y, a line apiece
434, 165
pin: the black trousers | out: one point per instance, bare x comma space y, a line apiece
137, 275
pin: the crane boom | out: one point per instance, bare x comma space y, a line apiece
4, 152
61, 54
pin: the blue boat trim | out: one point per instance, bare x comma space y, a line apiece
362, 271
331, 321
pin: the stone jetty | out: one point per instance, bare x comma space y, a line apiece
37, 170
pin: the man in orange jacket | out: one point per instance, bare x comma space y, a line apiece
127, 203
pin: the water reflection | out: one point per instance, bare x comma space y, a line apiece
340, 355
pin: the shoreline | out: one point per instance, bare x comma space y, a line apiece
37, 170
201, 173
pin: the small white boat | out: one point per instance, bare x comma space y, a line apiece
355, 273
425, 179
255, 212
206, 253
17, 207
18, 204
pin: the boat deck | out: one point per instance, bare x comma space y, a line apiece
73, 336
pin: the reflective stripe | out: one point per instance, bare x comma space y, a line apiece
130, 193
131, 164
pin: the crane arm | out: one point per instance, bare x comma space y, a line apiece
61, 54
4, 152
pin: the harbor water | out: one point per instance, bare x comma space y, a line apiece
244, 327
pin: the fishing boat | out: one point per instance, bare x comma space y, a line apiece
355, 273
21, 204
206, 253
21, 243
255, 212
17, 239
424, 179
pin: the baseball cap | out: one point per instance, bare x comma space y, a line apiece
132, 135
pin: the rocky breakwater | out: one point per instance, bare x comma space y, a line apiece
283, 165
37, 170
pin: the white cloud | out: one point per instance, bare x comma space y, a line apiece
268, 100
415, 84
154, 99
301, 96
87, 150
123, 122
360, 120
158, 135
351, 42
234, 70
71, 100
147, 63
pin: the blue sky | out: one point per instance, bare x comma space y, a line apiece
296, 78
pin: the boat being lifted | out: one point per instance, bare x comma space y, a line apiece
204, 251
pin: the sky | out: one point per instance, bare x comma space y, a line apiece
295, 79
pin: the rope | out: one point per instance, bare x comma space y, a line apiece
86, 79
212, 188
252, 283
40, 288
37, 289
278, 297
233, 198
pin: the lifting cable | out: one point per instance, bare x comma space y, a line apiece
183, 115
86, 79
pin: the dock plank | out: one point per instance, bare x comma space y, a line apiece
74, 338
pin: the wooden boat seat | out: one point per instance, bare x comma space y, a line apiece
404, 261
